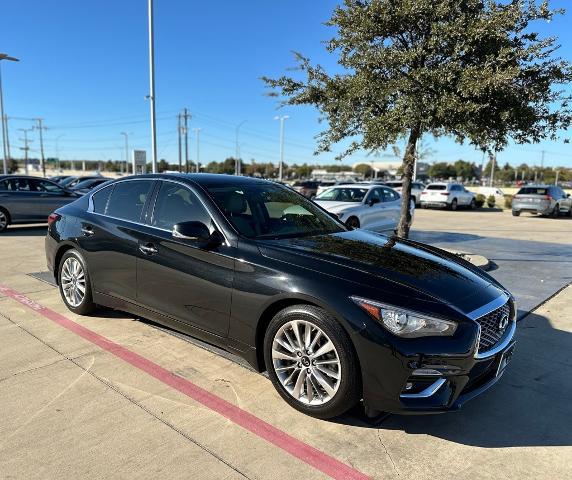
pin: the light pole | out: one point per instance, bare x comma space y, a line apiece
197, 132
152, 89
282, 118
126, 135
237, 160
4, 56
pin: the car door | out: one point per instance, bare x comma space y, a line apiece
177, 277
49, 197
373, 215
392, 207
111, 231
20, 200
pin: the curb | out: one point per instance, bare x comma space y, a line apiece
477, 260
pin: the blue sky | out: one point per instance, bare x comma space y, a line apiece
84, 70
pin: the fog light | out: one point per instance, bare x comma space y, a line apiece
408, 386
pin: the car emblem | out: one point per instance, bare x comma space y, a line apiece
503, 322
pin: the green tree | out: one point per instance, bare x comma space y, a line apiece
162, 165
469, 69
442, 170
464, 169
364, 169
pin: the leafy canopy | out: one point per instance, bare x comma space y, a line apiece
469, 69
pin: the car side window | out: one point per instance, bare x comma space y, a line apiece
128, 199
101, 198
44, 186
18, 184
5, 185
375, 193
175, 203
389, 195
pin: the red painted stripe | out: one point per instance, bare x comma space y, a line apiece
308, 454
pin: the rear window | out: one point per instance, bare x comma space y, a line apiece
128, 199
533, 191
394, 184
437, 187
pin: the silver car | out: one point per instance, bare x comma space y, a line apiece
30, 199
542, 200
416, 189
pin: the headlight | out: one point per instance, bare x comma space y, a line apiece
404, 323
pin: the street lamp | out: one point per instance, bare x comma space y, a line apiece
237, 161
152, 88
281, 118
4, 56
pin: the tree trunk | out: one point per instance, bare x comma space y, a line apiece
408, 166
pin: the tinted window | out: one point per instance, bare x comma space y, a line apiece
269, 211
437, 187
4, 185
128, 199
394, 184
45, 186
100, 199
350, 194
176, 203
533, 191
375, 193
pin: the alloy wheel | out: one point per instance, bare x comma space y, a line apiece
73, 281
306, 362
3, 220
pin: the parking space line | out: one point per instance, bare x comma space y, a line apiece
298, 449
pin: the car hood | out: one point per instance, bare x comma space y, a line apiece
336, 207
382, 262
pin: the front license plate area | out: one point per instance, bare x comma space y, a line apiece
504, 360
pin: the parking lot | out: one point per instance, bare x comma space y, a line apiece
108, 395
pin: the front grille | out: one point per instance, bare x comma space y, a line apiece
490, 331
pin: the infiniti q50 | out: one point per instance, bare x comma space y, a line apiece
335, 315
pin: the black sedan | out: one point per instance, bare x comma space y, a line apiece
26, 199
335, 315
86, 186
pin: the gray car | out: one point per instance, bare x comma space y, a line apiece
30, 199
543, 200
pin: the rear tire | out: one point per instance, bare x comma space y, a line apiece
556, 212
473, 204
453, 205
291, 357
75, 284
515, 213
4, 219
352, 222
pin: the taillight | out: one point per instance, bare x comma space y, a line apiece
445, 193
53, 218
548, 197
423, 193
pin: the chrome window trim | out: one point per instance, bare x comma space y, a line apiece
428, 392
489, 307
90, 206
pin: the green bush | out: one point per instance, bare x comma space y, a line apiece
479, 200
508, 201
491, 200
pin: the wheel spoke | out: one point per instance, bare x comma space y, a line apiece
327, 362
307, 335
290, 377
325, 348
290, 341
328, 372
284, 345
299, 382
277, 354
316, 338
309, 389
296, 331
324, 383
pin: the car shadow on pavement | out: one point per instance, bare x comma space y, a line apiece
529, 406
25, 231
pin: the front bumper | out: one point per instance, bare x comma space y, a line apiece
439, 383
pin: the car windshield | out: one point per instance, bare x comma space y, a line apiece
87, 183
437, 187
65, 182
263, 211
352, 194
533, 191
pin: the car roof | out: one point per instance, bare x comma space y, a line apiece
206, 179
356, 185
3, 176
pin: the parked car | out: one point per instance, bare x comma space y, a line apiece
416, 189
324, 185
543, 200
308, 188
447, 195
72, 181
26, 199
369, 206
494, 191
87, 185
58, 178
334, 315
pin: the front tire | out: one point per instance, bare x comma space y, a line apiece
515, 213
75, 284
556, 211
473, 204
311, 362
352, 222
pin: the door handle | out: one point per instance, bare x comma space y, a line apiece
87, 231
148, 249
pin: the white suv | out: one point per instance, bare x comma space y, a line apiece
416, 189
447, 195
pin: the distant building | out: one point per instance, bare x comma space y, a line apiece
320, 174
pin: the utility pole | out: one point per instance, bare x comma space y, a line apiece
237, 167
3, 118
179, 127
7, 137
493, 162
41, 128
126, 135
282, 119
186, 117
152, 88
26, 148
557, 175
197, 132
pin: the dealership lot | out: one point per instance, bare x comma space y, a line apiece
75, 405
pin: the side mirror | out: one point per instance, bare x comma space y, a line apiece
196, 232
373, 201
567, 195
